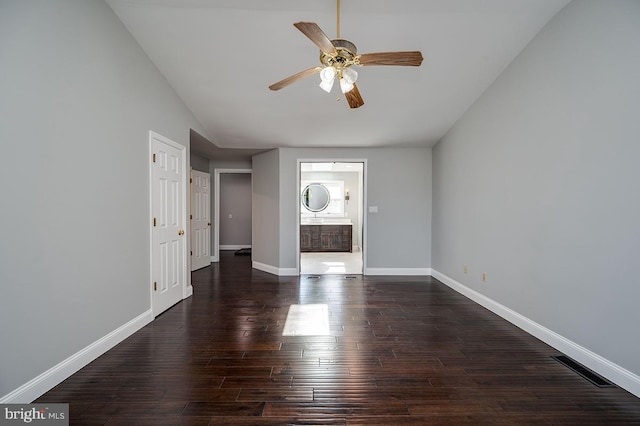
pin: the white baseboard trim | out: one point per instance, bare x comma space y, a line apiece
41, 384
215, 259
234, 247
620, 376
397, 271
282, 272
189, 292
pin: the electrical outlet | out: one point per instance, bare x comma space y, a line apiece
484, 277
466, 269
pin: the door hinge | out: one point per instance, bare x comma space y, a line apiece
155, 286
155, 222
154, 158
191, 216
190, 180
191, 252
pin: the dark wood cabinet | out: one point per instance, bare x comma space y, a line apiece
325, 238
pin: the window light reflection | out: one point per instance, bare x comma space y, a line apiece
307, 320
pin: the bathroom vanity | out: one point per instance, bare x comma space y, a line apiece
325, 237
322, 233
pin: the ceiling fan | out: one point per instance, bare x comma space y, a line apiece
338, 56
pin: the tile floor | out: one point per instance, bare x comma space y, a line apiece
331, 263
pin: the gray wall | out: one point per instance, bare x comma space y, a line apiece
537, 184
235, 200
78, 100
228, 164
265, 209
200, 164
399, 183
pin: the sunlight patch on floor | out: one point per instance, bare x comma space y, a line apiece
307, 320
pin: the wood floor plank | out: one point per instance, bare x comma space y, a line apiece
401, 351
294, 394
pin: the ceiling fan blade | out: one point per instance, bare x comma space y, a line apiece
293, 78
316, 35
354, 98
412, 59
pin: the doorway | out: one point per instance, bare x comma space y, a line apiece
232, 210
331, 217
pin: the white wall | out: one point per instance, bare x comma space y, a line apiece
399, 184
79, 97
537, 185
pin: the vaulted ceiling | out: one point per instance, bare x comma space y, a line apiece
220, 56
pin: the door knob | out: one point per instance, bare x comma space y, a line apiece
181, 232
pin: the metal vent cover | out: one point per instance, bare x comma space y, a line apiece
594, 378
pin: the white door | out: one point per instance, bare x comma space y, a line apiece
200, 220
168, 210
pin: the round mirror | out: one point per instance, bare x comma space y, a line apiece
315, 197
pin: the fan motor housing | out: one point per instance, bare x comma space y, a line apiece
345, 56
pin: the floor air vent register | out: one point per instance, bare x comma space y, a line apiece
346, 277
594, 378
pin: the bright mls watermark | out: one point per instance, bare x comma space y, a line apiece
34, 414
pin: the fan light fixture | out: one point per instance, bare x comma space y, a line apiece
338, 56
347, 78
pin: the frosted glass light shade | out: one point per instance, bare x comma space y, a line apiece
326, 85
350, 75
345, 86
328, 74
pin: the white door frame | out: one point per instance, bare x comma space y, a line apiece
363, 201
215, 255
187, 290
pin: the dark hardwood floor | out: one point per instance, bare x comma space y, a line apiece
402, 350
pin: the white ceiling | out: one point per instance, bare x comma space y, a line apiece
220, 56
